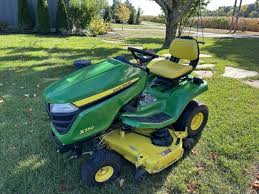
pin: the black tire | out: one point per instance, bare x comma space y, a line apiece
188, 143
99, 160
186, 118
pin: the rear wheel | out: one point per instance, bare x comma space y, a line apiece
194, 118
102, 167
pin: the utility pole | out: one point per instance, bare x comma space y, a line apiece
237, 16
233, 16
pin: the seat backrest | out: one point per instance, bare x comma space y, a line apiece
183, 48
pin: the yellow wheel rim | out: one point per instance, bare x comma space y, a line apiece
104, 174
197, 121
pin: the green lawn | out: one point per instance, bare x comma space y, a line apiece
29, 164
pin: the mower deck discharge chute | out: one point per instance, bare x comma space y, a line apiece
143, 112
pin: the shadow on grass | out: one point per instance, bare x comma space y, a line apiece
99, 53
243, 52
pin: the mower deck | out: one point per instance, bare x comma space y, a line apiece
140, 151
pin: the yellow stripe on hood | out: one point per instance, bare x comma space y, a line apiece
104, 94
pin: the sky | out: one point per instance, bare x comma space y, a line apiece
149, 7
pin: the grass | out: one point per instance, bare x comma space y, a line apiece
29, 164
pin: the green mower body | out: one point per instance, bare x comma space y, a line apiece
96, 96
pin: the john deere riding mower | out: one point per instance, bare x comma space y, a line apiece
143, 112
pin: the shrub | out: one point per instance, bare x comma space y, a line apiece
107, 14
132, 18
138, 19
211, 22
114, 7
81, 12
98, 27
42, 19
3, 26
156, 19
61, 17
253, 14
24, 19
244, 24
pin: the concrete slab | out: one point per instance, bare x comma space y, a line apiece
137, 47
237, 73
205, 67
205, 56
252, 83
203, 74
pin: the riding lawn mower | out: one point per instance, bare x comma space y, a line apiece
141, 111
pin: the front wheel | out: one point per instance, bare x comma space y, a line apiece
102, 167
194, 118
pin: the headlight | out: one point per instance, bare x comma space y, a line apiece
63, 108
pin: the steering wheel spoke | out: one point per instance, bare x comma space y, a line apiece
146, 55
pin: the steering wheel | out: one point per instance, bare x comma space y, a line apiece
146, 55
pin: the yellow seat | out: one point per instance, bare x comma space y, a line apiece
180, 48
169, 69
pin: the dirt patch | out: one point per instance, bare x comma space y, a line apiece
237, 73
112, 35
205, 56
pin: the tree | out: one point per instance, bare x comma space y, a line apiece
24, 19
138, 20
114, 7
107, 14
42, 18
132, 18
254, 14
123, 13
237, 16
174, 11
61, 17
233, 16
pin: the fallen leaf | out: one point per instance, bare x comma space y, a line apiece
31, 131
38, 85
193, 152
255, 185
30, 109
192, 186
121, 182
213, 155
245, 170
27, 95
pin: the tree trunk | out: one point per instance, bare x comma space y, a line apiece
171, 29
238, 12
233, 16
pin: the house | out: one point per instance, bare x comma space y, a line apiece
9, 11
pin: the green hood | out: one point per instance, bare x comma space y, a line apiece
89, 81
